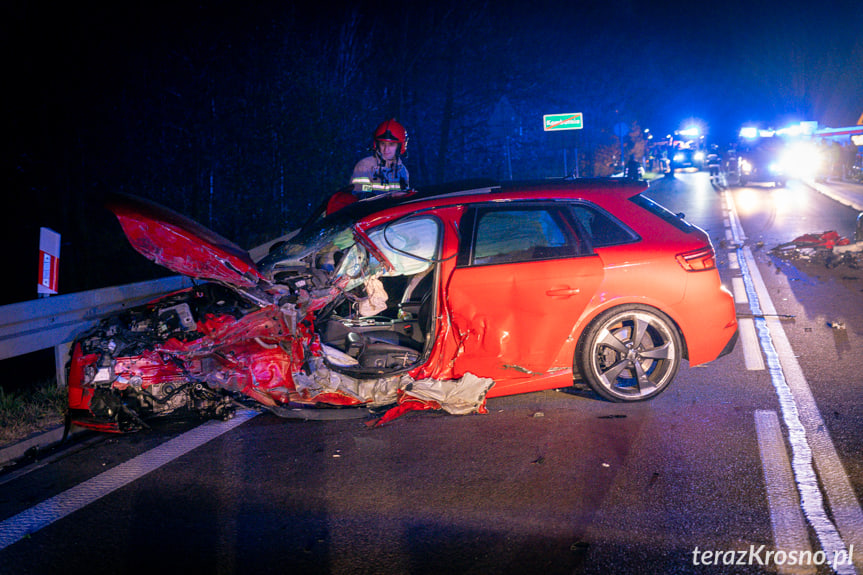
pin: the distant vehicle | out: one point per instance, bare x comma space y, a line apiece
686, 158
855, 172
402, 300
761, 161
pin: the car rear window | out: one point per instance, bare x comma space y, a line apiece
661, 211
602, 229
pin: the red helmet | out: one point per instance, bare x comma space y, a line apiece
392, 131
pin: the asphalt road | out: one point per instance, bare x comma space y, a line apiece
550, 482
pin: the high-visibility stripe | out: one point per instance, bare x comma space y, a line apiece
377, 187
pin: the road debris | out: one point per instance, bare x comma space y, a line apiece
826, 248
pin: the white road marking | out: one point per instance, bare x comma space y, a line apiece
732, 260
789, 527
739, 290
71, 500
736, 228
752, 358
808, 435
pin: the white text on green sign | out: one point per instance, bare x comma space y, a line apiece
552, 122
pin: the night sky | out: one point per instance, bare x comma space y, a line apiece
243, 117
721, 62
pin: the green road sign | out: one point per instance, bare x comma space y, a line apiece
553, 122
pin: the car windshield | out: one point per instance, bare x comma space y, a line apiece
309, 240
409, 246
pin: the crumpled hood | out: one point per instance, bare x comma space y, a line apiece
181, 244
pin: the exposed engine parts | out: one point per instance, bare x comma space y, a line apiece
202, 350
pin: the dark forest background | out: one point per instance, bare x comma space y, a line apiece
245, 117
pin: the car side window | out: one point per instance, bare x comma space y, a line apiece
520, 234
601, 228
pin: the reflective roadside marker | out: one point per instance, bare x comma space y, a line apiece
49, 262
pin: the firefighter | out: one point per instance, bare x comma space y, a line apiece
383, 171
633, 169
714, 162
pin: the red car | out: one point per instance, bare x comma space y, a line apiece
438, 298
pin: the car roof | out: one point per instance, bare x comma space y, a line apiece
467, 191
491, 190
371, 212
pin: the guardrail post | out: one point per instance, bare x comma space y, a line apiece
61, 355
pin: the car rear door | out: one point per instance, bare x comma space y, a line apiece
523, 277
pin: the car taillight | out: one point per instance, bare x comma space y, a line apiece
697, 260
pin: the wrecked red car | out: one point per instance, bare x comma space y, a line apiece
436, 299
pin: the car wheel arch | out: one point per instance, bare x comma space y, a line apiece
585, 322
582, 361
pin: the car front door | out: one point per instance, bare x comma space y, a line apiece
523, 278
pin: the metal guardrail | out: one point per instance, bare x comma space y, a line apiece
54, 322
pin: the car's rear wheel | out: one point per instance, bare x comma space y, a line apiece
630, 353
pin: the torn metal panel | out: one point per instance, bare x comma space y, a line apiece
182, 245
266, 347
459, 397
324, 382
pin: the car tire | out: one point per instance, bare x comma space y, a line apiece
630, 353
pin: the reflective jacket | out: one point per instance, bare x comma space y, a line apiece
372, 177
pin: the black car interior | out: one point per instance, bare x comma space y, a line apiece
393, 340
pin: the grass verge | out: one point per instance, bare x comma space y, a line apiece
40, 406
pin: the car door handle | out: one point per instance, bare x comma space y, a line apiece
562, 292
